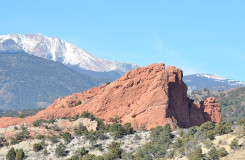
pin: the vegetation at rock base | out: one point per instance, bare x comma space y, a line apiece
38, 123
162, 143
115, 119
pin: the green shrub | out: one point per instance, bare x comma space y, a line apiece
223, 129
115, 119
213, 154
118, 130
115, 151
60, 150
54, 139
151, 151
117, 127
86, 114
78, 132
100, 148
21, 115
136, 137
161, 134
191, 131
51, 120
14, 141
89, 157
207, 126
79, 129
206, 130
241, 122
38, 123
78, 103
208, 143
20, 154
24, 134
67, 137
2, 139
128, 128
45, 152
234, 144
117, 134
11, 154
222, 152
37, 147
81, 152
197, 155
177, 144
40, 136
74, 157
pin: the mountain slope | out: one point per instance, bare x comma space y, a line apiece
232, 101
210, 82
31, 82
58, 50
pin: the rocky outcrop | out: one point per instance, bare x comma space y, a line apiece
147, 95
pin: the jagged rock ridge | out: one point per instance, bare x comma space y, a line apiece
147, 95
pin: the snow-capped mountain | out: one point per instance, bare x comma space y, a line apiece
58, 50
210, 82
10, 46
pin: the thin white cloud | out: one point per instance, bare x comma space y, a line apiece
234, 53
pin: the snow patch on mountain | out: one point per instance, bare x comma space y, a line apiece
211, 82
58, 50
215, 77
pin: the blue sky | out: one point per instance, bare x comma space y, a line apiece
196, 36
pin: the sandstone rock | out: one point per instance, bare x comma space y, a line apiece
90, 125
150, 95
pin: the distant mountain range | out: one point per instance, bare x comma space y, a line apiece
28, 82
210, 82
61, 51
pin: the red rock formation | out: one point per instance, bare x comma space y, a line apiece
150, 95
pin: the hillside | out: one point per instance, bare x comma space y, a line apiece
232, 101
29, 82
84, 137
